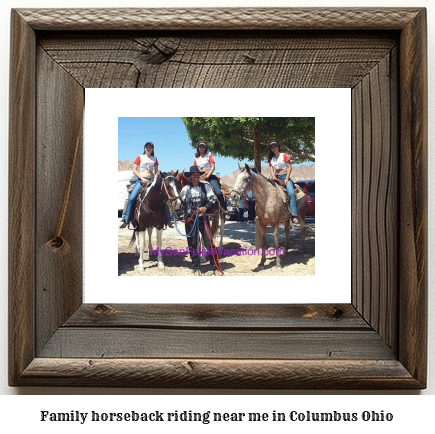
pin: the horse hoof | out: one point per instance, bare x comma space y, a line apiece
161, 265
258, 268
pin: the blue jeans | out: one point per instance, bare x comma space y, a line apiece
291, 194
217, 190
131, 202
215, 184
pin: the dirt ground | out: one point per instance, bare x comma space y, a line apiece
237, 236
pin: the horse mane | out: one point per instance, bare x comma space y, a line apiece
260, 174
154, 182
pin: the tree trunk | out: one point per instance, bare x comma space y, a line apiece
257, 150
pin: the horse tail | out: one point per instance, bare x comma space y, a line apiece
133, 238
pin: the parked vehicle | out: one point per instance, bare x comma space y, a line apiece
125, 178
308, 186
231, 212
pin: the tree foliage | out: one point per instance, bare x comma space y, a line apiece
234, 137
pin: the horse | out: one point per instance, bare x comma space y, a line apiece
217, 214
270, 208
150, 211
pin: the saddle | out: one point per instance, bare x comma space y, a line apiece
279, 183
225, 189
280, 186
145, 185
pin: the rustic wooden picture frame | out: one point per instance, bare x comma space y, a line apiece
377, 341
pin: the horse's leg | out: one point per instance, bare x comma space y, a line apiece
150, 245
141, 248
262, 228
137, 248
301, 215
222, 226
201, 246
159, 248
276, 239
303, 233
286, 224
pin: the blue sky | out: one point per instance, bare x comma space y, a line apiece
171, 143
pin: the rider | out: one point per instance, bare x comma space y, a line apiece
145, 166
281, 168
206, 163
197, 197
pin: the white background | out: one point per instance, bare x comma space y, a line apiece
413, 412
330, 107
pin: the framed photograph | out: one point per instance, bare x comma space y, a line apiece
119, 119
375, 341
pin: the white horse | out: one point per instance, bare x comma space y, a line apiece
270, 208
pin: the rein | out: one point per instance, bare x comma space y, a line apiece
245, 186
143, 204
195, 216
209, 234
171, 199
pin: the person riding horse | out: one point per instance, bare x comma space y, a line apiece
145, 167
197, 199
206, 163
281, 168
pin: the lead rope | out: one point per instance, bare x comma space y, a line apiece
59, 244
195, 216
216, 258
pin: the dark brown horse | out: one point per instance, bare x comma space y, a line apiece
150, 211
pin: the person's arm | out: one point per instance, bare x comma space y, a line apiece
156, 166
183, 194
289, 168
272, 171
211, 198
136, 171
210, 171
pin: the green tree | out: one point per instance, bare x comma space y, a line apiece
246, 138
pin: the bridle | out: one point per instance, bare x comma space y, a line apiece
170, 198
244, 187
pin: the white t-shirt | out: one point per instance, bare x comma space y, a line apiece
204, 163
280, 163
146, 163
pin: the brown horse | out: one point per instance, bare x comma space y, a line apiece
270, 208
150, 212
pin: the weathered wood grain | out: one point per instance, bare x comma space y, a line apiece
234, 60
413, 198
378, 342
59, 280
220, 317
220, 18
375, 204
228, 374
128, 342
21, 229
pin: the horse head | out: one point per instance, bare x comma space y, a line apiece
181, 178
241, 184
171, 188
